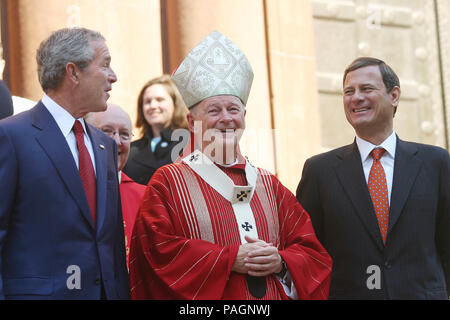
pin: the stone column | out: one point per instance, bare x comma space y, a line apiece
293, 82
189, 21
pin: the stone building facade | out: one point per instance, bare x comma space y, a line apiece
298, 50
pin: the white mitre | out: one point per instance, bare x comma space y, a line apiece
216, 66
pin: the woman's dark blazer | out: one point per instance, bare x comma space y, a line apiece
142, 162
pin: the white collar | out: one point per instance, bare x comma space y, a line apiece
365, 147
217, 179
62, 117
228, 165
238, 196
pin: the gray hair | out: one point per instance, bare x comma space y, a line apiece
61, 47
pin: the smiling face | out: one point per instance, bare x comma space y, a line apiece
218, 123
157, 107
369, 108
96, 80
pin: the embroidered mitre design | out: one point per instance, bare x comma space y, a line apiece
216, 66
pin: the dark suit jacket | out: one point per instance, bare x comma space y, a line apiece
46, 229
415, 262
142, 162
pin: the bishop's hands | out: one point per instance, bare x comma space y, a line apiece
257, 258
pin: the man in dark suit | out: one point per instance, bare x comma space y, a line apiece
380, 206
61, 229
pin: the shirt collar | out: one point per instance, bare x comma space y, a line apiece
123, 178
239, 163
365, 147
62, 117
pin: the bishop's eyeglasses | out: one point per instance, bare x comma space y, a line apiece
124, 135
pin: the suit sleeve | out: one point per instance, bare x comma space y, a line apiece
8, 174
309, 197
120, 251
443, 218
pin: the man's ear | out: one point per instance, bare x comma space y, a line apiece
190, 121
72, 72
395, 96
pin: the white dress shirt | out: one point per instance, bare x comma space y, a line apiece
65, 122
387, 160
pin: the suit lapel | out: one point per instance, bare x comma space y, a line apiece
406, 169
55, 146
101, 168
351, 176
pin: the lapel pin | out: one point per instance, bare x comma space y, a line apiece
102, 146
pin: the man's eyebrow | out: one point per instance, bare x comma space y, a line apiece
360, 85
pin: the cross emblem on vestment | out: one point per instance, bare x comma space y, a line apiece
243, 194
247, 226
194, 157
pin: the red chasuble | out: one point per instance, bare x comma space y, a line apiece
186, 239
131, 194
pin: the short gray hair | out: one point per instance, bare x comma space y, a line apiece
61, 47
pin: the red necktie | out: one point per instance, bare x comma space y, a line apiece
86, 170
378, 192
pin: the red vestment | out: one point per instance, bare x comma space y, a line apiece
186, 239
131, 194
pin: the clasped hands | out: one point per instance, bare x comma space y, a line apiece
257, 258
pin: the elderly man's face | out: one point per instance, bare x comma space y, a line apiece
221, 120
115, 123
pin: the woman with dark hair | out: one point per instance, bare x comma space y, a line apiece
160, 111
